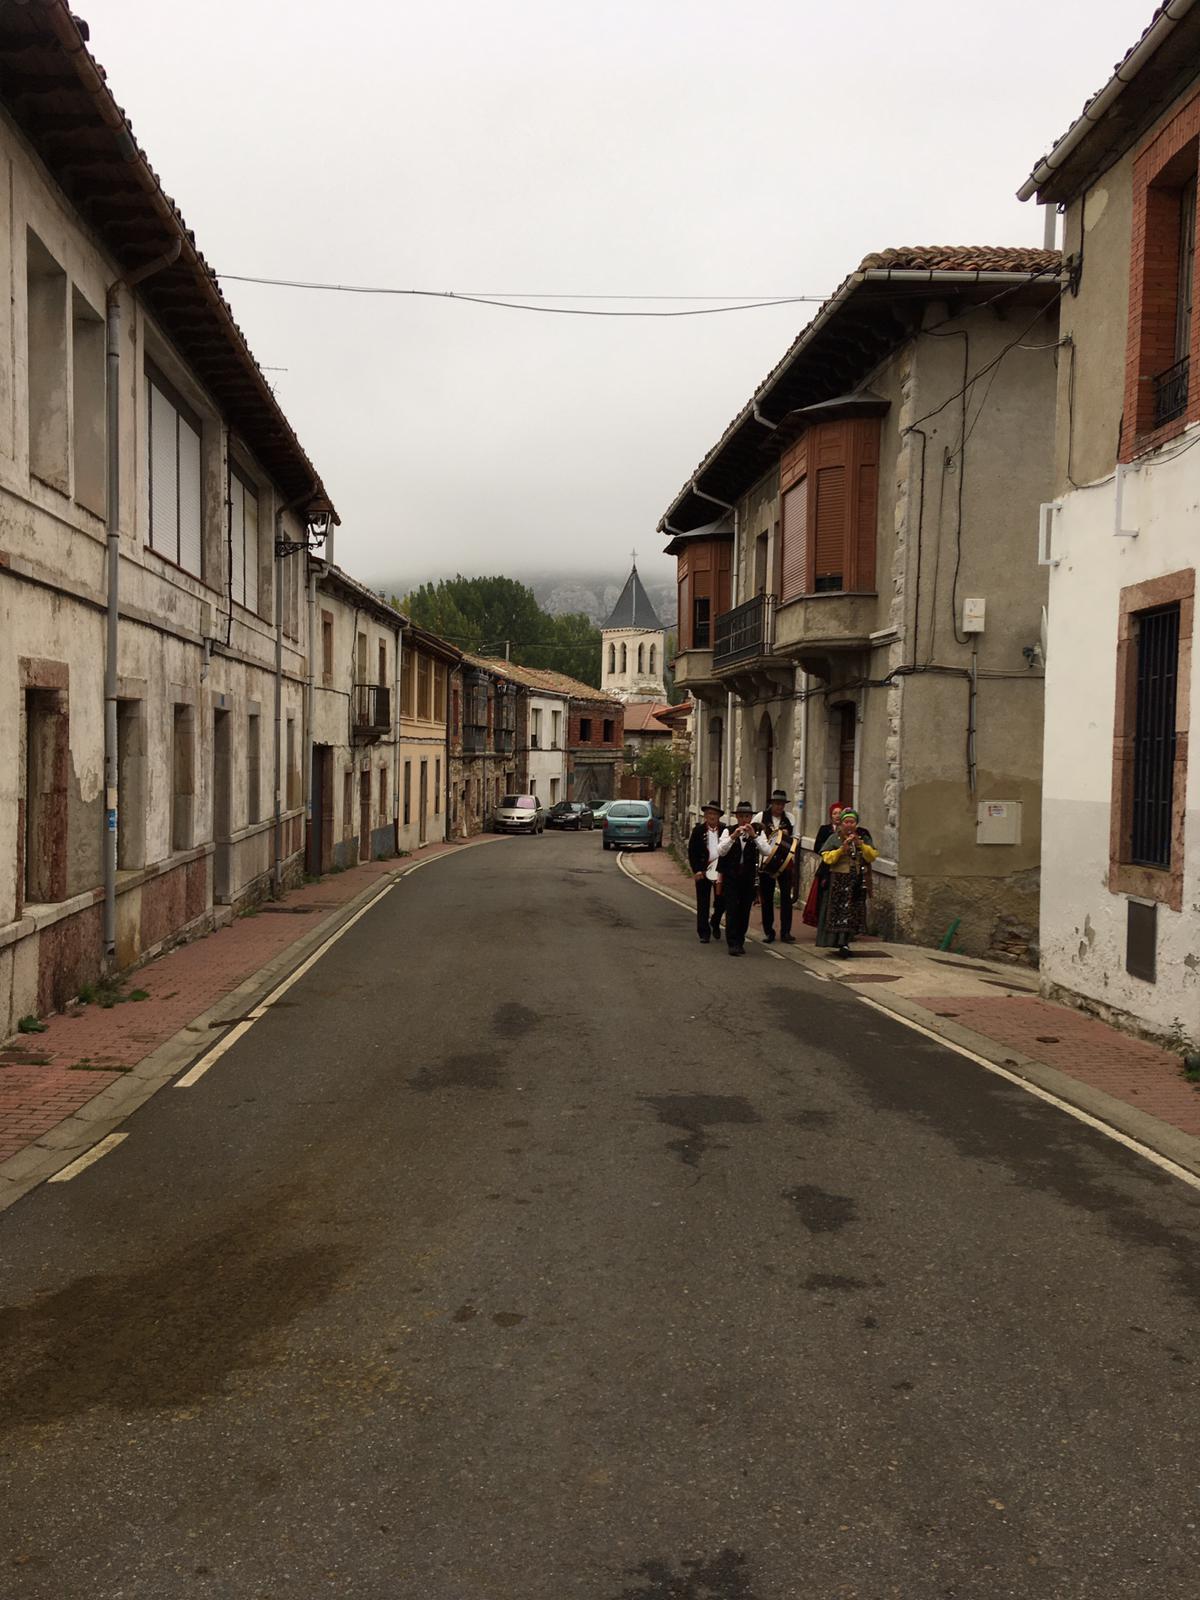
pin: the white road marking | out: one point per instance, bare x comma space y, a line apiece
86, 1160
1085, 1117
194, 1073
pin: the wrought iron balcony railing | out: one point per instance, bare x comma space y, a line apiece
1171, 393
372, 710
744, 632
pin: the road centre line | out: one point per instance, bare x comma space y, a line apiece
65, 1174
1106, 1128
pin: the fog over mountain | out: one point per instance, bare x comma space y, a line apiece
561, 593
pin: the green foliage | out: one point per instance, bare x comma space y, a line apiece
675, 695
30, 1024
486, 614
662, 765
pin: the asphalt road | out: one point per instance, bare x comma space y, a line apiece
531, 1250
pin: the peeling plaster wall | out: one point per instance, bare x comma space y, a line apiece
1083, 924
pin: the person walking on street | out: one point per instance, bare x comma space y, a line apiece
737, 864
776, 845
703, 845
844, 905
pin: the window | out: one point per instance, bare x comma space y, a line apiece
408, 680
293, 771
424, 688
360, 658
553, 790
535, 727
608, 732
641, 659
439, 692
348, 803
761, 550
653, 658
612, 658
131, 785
457, 714
437, 787
253, 768
47, 756
383, 793
243, 541
1153, 811
382, 662
555, 729
700, 623
829, 481
624, 659
87, 403
327, 647
46, 314
585, 729
533, 787
407, 793
175, 515
183, 776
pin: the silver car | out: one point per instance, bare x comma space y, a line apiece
519, 813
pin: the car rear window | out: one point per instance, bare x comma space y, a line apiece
518, 802
629, 808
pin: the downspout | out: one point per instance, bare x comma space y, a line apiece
280, 513
112, 430
397, 750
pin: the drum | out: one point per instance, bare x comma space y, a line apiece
780, 858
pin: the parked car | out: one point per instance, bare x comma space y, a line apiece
519, 813
600, 811
570, 814
632, 822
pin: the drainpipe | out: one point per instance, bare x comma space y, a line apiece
112, 430
280, 513
397, 747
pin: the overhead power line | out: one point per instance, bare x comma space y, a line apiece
515, 302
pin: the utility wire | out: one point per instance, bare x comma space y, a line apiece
515, 304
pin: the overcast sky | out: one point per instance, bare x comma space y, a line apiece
688, 147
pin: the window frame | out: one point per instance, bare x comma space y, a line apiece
155, 378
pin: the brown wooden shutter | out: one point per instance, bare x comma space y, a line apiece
862, 574
684, 612
829, 544
794, 563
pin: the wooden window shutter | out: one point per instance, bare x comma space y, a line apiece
829, 543
685, 610
862, 574
793, 566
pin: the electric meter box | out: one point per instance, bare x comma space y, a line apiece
998, 822
974, 615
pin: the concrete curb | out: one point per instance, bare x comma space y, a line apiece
1160, 1137
76, 1134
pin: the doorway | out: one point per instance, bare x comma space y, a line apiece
423, 803
222, 806
320, 836
364, 814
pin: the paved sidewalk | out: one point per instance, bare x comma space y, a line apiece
988, 1003
46, 1077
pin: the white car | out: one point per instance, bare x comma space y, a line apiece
519, 813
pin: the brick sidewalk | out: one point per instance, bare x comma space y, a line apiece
1139, 1074
44, 1077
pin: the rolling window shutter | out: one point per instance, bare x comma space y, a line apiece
830, 541
237, 540
794, 561
251, 540
190, 542
684, 613
164, 484
865, 520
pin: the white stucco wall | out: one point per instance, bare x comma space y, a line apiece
1083, 924
547, 763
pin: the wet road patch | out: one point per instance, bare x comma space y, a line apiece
724, 1576
695, 1114
820, 1211
477, 1070
512, 1020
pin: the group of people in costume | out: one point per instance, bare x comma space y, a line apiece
755, 855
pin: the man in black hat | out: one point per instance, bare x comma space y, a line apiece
737, 864
778, 832
703, 844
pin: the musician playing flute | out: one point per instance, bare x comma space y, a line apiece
737, 864
844, 908
777, 832
704, 843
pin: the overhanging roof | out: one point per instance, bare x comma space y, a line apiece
874, 311
1159, 67
58, 97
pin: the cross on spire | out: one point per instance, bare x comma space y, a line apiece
635, 558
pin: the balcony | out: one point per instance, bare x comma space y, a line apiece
474, 738
372, 710
694, 670
813, 629
743, 633
1171, 393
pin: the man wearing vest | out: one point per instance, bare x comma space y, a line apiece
737, 864
778, 832
703, 844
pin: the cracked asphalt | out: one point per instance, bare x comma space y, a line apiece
529, 1251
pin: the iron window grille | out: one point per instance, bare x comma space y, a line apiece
1171, 392
1152, 811
744, 632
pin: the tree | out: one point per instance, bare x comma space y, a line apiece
491, 615
663, 766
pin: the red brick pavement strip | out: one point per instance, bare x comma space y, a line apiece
1140, 1074
70, 1056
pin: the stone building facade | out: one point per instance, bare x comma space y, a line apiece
860, 623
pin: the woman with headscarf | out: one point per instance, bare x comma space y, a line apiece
843, 906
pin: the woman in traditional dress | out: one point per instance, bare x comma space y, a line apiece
811, 915
843, 906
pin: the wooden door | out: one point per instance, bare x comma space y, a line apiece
364, 815
423, 802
